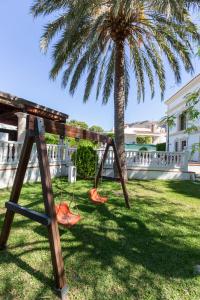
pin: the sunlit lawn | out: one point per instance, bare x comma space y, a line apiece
145, 253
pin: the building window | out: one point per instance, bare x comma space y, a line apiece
183, 145
182, 121
176, 146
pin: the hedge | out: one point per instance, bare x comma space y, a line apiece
85, 160
161, 147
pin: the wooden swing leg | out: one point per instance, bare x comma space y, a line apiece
121, 178
53, 231
16, 189
125, 192
101, 166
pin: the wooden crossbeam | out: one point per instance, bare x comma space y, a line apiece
31, 214
65, 130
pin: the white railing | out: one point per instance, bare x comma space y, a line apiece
152, 160
10, 153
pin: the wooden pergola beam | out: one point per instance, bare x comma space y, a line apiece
65, 130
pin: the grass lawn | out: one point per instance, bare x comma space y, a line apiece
145, 253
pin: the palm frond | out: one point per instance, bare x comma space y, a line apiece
86, 32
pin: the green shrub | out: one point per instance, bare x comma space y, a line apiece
161, 147
76, 143
144, 140
51, 138
85, 159
143, 149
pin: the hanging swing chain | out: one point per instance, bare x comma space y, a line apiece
61, 196
73, 187
97, 167
102, 169
73, 199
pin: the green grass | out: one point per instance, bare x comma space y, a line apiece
145, 253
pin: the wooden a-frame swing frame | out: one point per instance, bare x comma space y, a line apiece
36, 128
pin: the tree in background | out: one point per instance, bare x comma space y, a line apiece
144, 140
52, 138
73, 142
80, 124
193, 116
96, 128
169, 122
107, 39
161, 147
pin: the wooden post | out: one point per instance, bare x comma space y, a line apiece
53, 232
35, 133
126, 197
101, 166
16, 189
112, 143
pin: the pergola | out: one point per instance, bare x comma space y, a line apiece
10, 105
13, 111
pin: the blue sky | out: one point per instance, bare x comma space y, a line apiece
24, 71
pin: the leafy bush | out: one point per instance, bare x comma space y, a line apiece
76, 123
51, 138
161, 147
144, 140
143, 149
111, 135
96, 128
85, 159
76, 143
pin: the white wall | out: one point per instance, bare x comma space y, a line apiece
148, 174
176, 105
7, 173
130, 138
3, 136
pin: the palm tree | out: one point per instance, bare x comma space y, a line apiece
169, 122
108, 39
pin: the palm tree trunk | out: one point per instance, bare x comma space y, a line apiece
119, 104
167, 137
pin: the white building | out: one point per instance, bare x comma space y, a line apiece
179, 139
150, 129
7, 132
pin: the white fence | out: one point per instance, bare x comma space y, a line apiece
151, 165
141, 165
153, 160
59, 158
10, 153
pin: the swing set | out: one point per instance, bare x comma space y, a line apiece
35, 133
67, 218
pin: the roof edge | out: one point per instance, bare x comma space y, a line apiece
182, 88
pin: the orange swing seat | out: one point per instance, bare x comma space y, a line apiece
65, 217
96, 198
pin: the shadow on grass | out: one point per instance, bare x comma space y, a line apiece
185, 188
9, 258
135, 243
